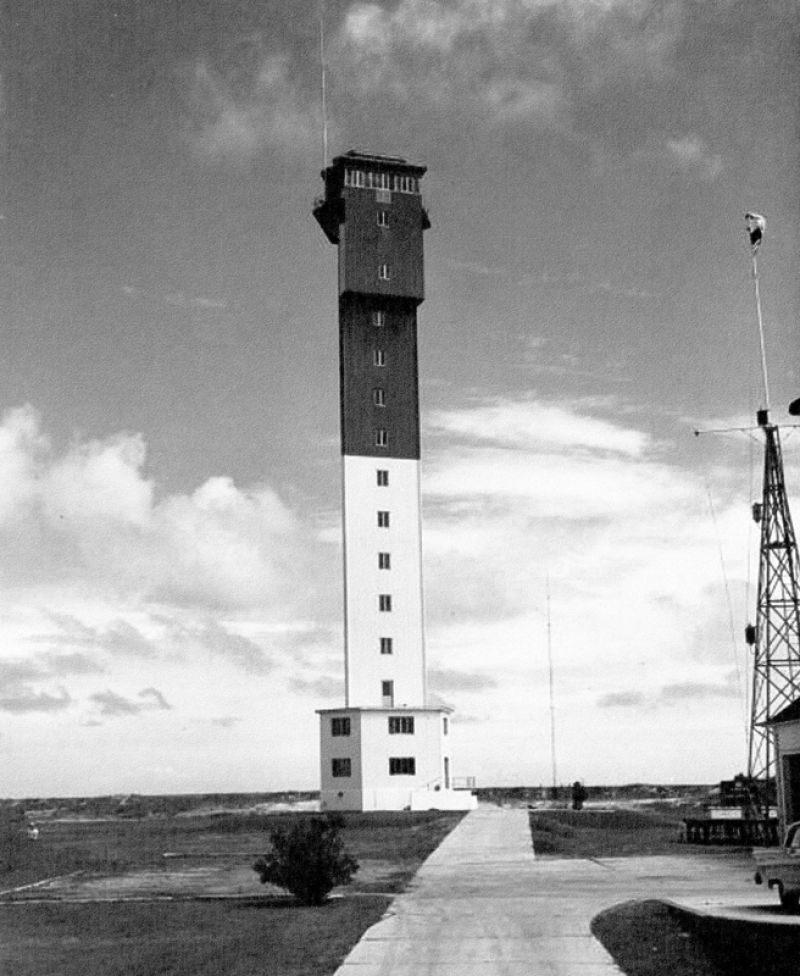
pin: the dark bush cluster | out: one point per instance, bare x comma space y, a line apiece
308, 859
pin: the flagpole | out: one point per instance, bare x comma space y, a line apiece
761, 332
552, 691
324, 83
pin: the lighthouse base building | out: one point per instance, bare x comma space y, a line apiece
387, 748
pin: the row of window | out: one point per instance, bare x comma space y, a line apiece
384, 558
398, 725
398, 766
368, 180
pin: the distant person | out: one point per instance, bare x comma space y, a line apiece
579, 795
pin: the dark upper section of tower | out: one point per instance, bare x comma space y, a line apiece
372, 209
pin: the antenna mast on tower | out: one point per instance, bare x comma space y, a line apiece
775, 637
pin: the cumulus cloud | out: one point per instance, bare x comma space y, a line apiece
90, 514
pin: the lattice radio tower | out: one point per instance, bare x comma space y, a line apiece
775, 637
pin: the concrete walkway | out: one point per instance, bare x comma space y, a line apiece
482, 904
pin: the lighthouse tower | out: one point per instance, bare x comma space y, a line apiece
386, 749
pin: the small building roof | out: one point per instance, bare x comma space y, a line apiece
789, 714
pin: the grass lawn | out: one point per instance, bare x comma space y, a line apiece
249, 938
182, 938
649, 938
605, 833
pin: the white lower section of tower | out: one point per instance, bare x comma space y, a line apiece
384, 639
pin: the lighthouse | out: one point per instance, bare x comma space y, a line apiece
387, 748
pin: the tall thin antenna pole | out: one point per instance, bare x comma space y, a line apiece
552, 692
324, 79
761, 332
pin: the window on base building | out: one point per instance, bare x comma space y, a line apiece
340, 726
384, 560
383, 218
340, 767
379, 318
387, 645
379, 358
383, 478
379, 396
385, 602
383, 272
445, 725
383, 520
401, 725
381, 437
387, 694
402, 766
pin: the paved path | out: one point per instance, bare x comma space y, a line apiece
482, 904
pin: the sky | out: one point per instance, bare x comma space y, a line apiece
170, 538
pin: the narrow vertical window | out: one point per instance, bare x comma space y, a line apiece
379, 318
379, 358
383, 272
387, 645
383, 520
381, 437
383, 218
384, 560
445, 723
385, 602
383, 478
379, 396
387, 694
340, 726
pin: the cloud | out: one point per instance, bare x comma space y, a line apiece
232, 647
90, 515
575, 68
226, 721
113, 705
119, 638
622, 699
23, 700
235, 119
322, 687
155, 698
62, 665
676, 694
445, 679
529, 423
690, 153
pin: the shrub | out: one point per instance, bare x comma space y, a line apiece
308, 859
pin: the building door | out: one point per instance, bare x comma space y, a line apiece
791, 787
